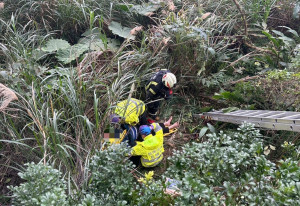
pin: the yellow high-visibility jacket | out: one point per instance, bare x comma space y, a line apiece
151, 149
134, 109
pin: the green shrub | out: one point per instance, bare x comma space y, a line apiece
231, 169
111, 180
43, 186
288, 186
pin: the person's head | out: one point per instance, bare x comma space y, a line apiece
144, 130
169, 80
115, 120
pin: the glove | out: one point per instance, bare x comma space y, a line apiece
168, 94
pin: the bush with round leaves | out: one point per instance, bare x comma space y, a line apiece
232, 169
111, 179
43, 186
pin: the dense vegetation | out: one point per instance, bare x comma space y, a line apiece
64, 64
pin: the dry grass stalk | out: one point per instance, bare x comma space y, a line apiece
204, 16
95, 61
171, 5
136, 30
7, 96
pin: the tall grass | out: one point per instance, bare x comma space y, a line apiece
62, 112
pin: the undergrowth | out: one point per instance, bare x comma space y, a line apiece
70, 62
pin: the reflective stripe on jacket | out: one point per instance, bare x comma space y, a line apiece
151, 149
134, 109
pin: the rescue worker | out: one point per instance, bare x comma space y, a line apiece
131, 112
159, 86
132, 134
151, 149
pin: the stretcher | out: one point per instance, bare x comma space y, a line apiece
170, 132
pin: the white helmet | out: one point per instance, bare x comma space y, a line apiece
169, 80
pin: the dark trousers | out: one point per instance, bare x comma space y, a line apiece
136, 160
153, 108
142, 119
165, 129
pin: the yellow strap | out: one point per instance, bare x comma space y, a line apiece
122, 136
152, 91
152, 82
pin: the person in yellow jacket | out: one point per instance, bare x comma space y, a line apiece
151, 148
131, 112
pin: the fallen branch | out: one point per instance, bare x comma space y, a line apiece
258, 48
241, 58
245, 79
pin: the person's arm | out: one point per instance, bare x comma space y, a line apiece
138, 150
168, 93
157, 129
165, 129
152, 89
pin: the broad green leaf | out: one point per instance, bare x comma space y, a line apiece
89, 32
145, 9
278, 33
271, 38
124, 7
97, 44
287, 39
203, 131
55, 44
232, 96
113, 44
217, 96
211, 128
274, 52
296, 11
68, 55
93, 44
206, 109
291, 30
120, 30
